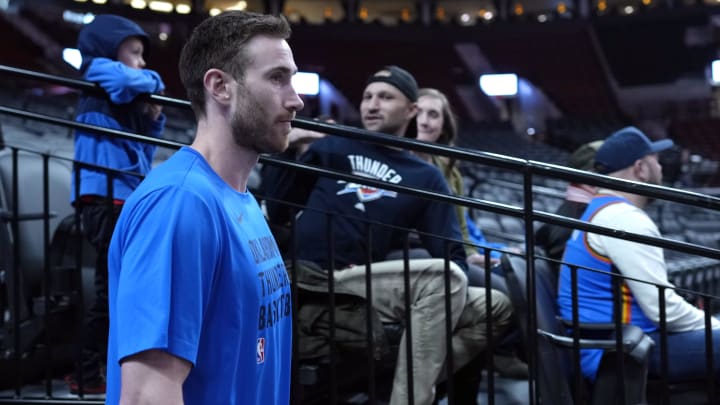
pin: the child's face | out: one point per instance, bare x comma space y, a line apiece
130, 53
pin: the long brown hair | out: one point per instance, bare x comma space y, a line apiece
449, 128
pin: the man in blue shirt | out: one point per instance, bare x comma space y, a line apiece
200, 308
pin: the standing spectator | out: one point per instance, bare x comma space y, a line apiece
389, 105
112, 49
628, 154
199, 297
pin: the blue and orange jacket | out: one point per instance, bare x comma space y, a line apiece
595, 296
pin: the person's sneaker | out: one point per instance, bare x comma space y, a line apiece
510, 366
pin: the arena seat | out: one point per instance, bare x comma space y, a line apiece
554, 344
328, 354
29, 243
7, 263
30, 205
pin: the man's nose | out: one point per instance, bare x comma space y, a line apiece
294, 102
374, 103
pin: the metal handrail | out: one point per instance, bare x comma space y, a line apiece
528, 168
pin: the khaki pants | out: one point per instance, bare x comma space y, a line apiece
469, 317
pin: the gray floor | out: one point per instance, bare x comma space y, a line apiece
507, 392
60, 390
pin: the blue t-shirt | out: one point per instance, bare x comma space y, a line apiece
195, 271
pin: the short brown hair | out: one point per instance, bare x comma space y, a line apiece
219, 42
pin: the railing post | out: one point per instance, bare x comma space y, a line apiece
47, 274
17, 342
665, 397
528, 218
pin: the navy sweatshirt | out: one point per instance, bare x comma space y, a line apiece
355, 204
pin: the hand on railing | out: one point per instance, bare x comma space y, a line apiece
300, 139
153, 111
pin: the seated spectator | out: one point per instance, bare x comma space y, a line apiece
552, 238
628, 154
436, 123
477, 237
388, 105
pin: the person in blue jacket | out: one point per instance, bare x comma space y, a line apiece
112, 49
200, 304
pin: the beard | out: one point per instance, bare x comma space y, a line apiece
251, 127
655, 181
386, 127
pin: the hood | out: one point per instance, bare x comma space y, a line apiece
103, 36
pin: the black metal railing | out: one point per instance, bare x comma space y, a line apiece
528, 169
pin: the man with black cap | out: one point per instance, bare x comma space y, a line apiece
628, 154
389, 105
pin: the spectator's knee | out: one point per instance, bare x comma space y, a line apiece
435, 270
501, 309
458, 280
458, 283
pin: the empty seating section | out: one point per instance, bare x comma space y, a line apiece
571, 132
346, 67
501, 138
30, 203
18, 50
46, 20
701, 136
561, 60
651, 51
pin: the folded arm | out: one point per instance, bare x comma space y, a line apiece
647, 263
121, 82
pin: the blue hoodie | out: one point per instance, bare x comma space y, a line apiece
98, 43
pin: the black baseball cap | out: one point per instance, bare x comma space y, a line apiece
399, 78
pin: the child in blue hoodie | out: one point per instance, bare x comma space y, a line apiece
112, 55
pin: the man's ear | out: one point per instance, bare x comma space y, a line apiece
412, 110
640, 170
218, 85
